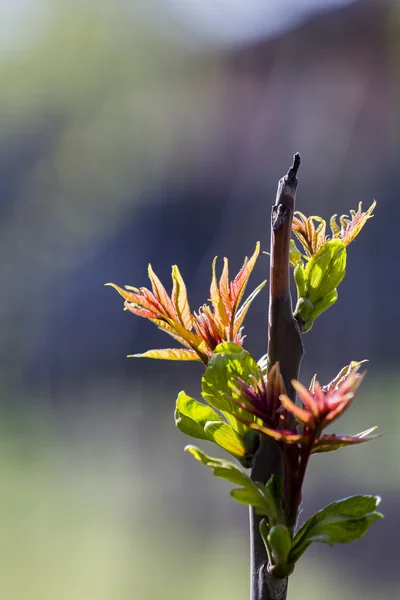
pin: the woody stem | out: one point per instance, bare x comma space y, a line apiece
285, 347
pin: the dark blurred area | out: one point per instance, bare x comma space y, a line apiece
156, 132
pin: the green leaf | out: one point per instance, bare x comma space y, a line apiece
273, 489
299, 278
325, 270
201, 421
219, 383
191, 416
249, 493
280, 542
304, 314
224, 436
317, 282
277, 541
323, 304
294, 255
342, 529
342, 521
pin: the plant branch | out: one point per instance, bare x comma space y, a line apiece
284, 346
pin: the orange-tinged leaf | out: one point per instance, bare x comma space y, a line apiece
168, 354
192, 338
306, 397
160, 293
180, 298
224, 288
238, 285
300, 413
215, 298
284, 436
205, 315
168, 329
142, 303
139, 311
352, 227
124, 293
343, 375
145, 299
311, 238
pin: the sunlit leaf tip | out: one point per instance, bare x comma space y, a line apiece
199, 332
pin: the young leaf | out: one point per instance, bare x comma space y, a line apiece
325, 270
300, 280
331, 442
273, 490
168, 354
294, 255
180, 300
342, 521
277, 541
228, 363
343, 374
317, 282
224, 436
333, 530
191, 416
280, 542
249, 493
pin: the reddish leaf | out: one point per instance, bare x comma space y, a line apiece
160, 293
304, 416
238, 285
331, 442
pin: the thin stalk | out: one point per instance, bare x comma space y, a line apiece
285, 347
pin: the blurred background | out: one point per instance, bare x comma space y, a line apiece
156, 131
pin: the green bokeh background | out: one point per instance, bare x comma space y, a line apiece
126, 138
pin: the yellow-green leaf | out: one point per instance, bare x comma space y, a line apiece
224, 436
228, 363
168, 354
325, 270
215, 298
192, 416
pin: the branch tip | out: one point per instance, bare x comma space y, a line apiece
291, 174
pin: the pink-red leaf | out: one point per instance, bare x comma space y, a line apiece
238, 285
306, 397
303, 415
331, 442
161, 294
